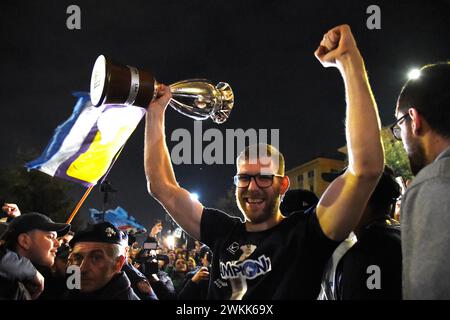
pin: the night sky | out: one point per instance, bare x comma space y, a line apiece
263, 49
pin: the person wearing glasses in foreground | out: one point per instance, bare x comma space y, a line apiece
423, 125
269, 256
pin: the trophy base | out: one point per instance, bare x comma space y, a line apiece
114, 83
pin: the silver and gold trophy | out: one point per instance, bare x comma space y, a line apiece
113, 83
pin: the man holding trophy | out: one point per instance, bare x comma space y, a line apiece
269, 256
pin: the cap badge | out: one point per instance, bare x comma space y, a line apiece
110, 232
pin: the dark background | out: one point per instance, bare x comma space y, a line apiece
264, 49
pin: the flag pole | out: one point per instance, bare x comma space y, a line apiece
80, 203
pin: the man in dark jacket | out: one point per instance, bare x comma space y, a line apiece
100, 255
139, 282
19, 279
29, 242
368, 265
195, 286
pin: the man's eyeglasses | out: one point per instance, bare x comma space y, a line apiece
262, 180
395, 127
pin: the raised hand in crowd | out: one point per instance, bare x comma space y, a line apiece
202, 274
11, 210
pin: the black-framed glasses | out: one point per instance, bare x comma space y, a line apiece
395, 127
262, 180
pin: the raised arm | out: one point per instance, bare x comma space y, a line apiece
161, 181
343, 203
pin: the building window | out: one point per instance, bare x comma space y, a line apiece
311, 180
300, 180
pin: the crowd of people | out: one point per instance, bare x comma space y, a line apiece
345, 245
37, 255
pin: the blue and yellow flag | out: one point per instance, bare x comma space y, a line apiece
83, 147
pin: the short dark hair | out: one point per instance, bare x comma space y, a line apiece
297, 200
429, 94
385, 195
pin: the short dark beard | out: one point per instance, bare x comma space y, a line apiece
272, 209
416, 156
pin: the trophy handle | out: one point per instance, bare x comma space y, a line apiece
200, 99
222, 112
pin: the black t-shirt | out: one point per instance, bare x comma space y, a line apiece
284, 262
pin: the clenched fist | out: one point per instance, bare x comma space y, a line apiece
337, 48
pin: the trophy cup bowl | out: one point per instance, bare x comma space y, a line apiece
113, 83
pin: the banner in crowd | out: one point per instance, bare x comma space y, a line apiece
119, 217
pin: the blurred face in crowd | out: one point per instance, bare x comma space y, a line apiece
180, 254
161, 264
38, 246
198, 246
157, 228
171, 256
134, 250
60, 266
98, 263
205, 261
398, 204
191, 264
260, 202
180, 265
66, 238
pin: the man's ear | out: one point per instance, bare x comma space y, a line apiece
285, 183
24, 241
120, 262
416, 121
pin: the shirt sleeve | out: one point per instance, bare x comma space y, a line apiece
317, 237
132, 273
216, 224
16, 268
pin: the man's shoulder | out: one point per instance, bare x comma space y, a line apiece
212, 213
431, 183
304, 226
437, 170
119, 288
216, 224
301, 216
381, 237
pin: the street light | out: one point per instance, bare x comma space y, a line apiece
194, 196
414, 74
